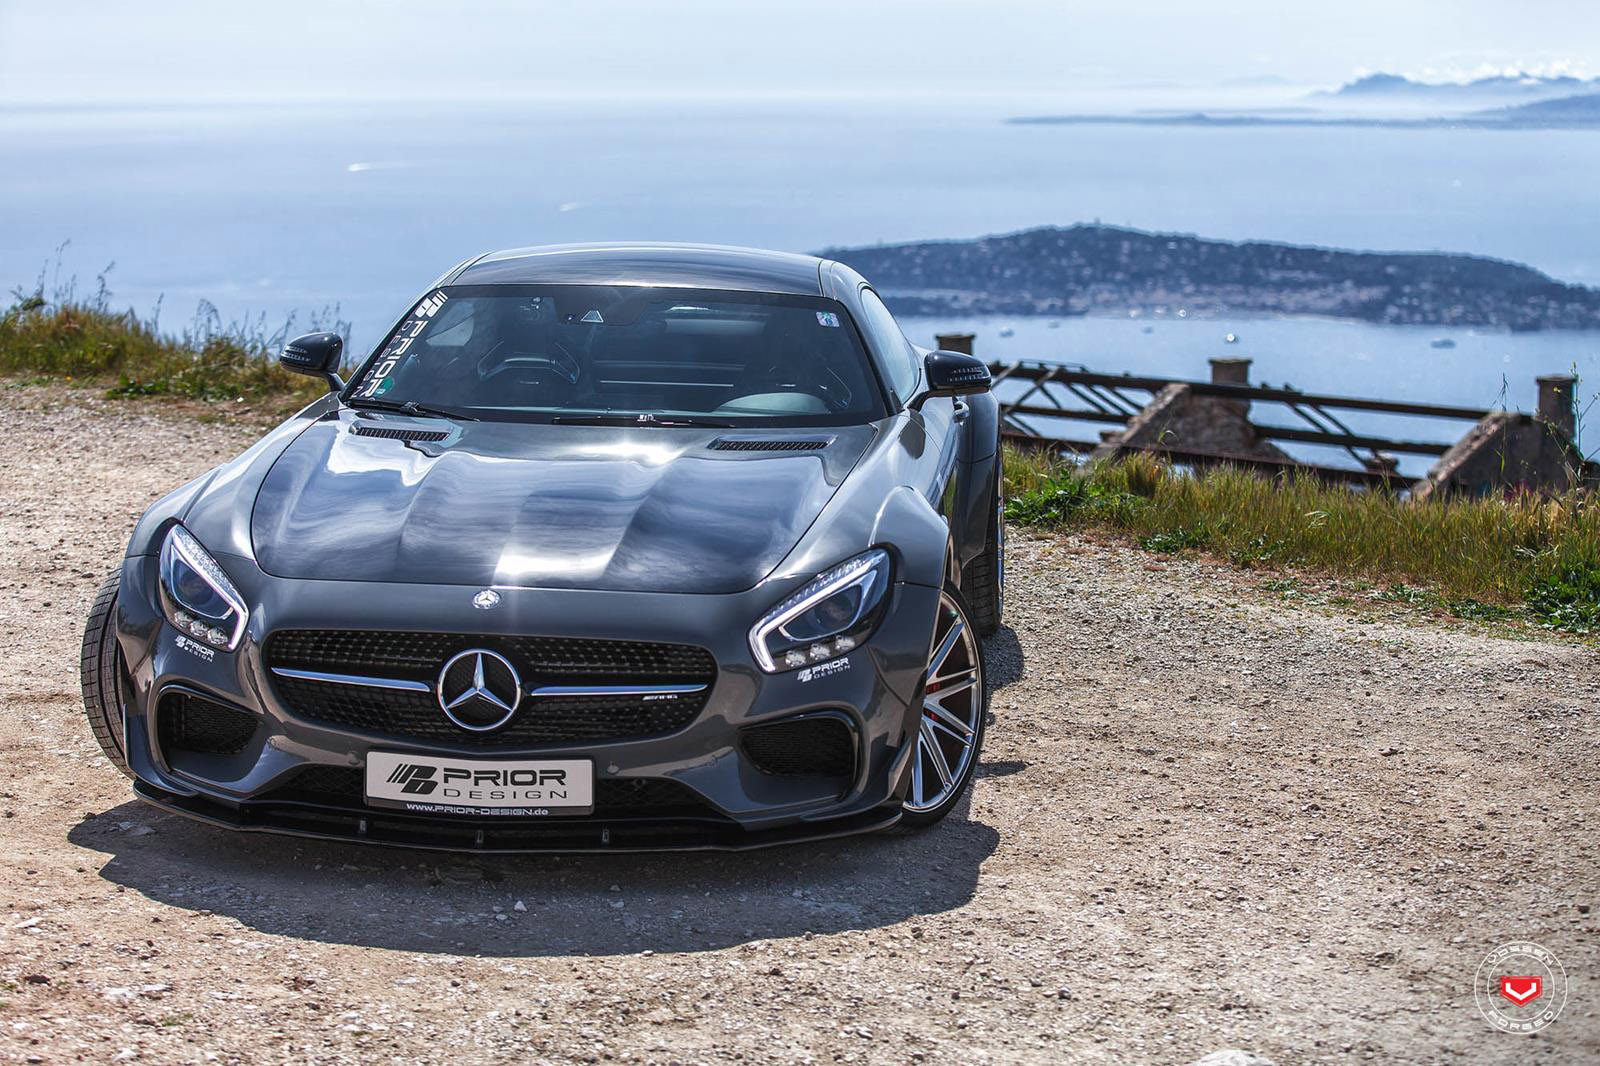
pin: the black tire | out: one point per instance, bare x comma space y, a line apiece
984, 578
102, 673
974, 712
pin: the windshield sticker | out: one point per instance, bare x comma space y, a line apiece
593, 316
430, 305
378, 381
828, 318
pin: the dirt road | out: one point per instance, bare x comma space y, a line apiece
1208, 817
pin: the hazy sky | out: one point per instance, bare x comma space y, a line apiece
190, 51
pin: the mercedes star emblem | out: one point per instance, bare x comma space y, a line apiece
486, 599
479, 690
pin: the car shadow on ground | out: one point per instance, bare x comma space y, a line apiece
592, 904
1002, 656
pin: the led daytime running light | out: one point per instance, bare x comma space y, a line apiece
182, 544
871, 566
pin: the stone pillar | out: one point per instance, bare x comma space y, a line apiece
1555, 403
954, 342
1382, 463
1232, 372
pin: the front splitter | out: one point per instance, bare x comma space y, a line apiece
551, 837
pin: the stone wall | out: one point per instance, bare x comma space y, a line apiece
1176, 418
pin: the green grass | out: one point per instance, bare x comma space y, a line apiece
83, 341
1473, 558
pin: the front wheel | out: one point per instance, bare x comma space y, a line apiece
955, 703
101, 673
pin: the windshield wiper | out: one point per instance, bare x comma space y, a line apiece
644, 420
410, 407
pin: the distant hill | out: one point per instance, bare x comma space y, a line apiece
1084, 268
1523, 86
1580, 110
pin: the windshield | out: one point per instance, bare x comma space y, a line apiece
585, 352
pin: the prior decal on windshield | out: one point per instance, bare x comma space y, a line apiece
828, 318
378, 380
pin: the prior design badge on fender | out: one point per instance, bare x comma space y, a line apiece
194, 647
522, 788
817, 673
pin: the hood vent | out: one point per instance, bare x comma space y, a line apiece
395, 433
770, 444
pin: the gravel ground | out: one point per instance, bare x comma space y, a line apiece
1208, 817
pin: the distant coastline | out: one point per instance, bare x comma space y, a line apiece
1084, 269
1478, 121
1495, 103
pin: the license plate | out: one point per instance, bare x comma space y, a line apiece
527, 788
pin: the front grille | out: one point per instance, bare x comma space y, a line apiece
387, 654
813, 746
630, 797
539, 661
776, 444
393, 433
187, 722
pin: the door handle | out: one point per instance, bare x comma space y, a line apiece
962, 410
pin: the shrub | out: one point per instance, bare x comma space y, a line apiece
65, 338
1470, 557
1568, 599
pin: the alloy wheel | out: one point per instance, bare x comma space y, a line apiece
952, 706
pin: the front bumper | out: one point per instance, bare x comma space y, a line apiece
730, 802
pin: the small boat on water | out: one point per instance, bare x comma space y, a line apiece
1008, 332
1231, 338
1442, 342
1054, 324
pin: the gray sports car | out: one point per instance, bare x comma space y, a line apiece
605, 546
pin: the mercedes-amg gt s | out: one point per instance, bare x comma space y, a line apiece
623, 546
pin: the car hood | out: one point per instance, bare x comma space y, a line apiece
494, 503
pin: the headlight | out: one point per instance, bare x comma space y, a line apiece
196, 596
831, 616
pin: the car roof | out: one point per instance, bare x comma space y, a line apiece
697, 266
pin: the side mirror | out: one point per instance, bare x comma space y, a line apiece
316, 354
952, 374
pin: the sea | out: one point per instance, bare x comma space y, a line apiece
307, 214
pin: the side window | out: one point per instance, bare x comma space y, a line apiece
899, 358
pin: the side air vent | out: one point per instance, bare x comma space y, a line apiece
188, 722
395, 433
770, 444
817, 745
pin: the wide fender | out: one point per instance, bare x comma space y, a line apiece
174, 505
917, 532
983, 427
974, 506
216, 506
